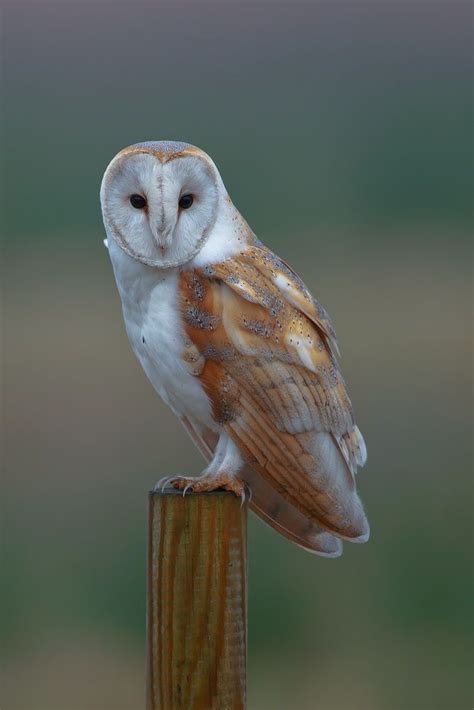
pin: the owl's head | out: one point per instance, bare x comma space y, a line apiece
160, 201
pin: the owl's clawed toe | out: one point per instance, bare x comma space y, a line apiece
163, 483
206, 484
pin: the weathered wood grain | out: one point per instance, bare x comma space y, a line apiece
197, 602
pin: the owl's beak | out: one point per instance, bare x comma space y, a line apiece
162, 238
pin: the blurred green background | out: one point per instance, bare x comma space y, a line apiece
343, 132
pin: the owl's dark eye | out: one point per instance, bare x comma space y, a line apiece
137, 201
185, 201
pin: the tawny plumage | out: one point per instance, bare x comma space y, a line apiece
274, 383
252, 341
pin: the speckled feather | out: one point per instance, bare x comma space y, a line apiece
270, 372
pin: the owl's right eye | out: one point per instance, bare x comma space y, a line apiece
138, 201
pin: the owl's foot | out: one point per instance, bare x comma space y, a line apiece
205, 484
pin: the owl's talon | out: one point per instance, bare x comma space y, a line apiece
160, 485
249, 490
187, 488
246, 495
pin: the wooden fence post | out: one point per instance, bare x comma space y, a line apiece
196, 601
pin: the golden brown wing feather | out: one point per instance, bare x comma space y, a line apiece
274, 383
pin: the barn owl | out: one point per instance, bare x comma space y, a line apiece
235, 344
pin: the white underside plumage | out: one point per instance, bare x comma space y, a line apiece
150, 309
153, 324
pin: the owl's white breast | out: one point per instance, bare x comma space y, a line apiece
153, 323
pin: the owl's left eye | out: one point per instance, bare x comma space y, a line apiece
138, 201
185, 201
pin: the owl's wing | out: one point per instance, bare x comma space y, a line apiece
274, 383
